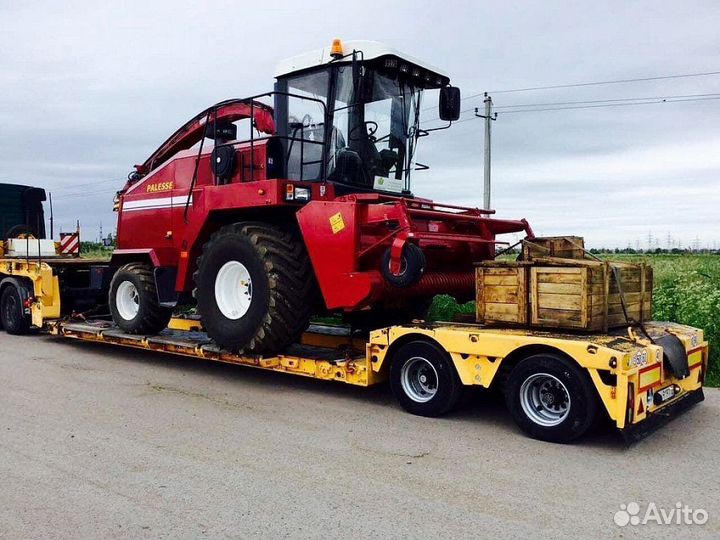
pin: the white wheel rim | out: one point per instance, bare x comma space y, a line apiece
233, 290
127, 300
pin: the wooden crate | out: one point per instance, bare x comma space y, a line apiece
563, 293
566, 247
501, 292
585, 294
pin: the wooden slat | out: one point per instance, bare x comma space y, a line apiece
479, 294
501, 272
568, 288
560, 301
523, 296
501, 294
501, 312
559, 277
559, 316
500, 280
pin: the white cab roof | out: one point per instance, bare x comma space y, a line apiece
370, 50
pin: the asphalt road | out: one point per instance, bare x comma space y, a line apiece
98, 442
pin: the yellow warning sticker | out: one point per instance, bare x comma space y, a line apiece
336, 223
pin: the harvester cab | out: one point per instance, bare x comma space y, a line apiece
361, 100
311, 212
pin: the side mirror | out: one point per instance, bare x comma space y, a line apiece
449, 103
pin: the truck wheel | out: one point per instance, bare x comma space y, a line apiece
134, 301
551, 398
423, 379
255, 288
12, 312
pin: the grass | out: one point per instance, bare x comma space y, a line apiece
95, 252
686, 290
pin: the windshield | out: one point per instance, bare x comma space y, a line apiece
373, 135
374, 131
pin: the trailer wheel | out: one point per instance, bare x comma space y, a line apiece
134, 301
551, 398
423, 379
12, 313
255, 288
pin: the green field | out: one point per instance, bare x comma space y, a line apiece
687, 290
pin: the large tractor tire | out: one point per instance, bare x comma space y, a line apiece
255, 288
134, 301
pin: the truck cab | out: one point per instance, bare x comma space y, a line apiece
21, 211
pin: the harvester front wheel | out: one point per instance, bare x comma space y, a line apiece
134, 301
255, 288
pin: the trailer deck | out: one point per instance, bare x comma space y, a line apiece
325, 352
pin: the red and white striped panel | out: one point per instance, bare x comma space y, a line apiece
70, 244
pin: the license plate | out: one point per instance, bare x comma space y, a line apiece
665, 394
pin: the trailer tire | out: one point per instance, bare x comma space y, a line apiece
551, 398
255, 288
424, 380
134, 301
12, 314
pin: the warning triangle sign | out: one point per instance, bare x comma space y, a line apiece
641, 407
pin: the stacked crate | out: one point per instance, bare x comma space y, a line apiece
556, 292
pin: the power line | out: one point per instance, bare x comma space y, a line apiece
120, 180
657, 101
594, 83
64, 196
589, 102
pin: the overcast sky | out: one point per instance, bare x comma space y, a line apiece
91, 88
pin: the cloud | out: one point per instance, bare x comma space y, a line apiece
89, 89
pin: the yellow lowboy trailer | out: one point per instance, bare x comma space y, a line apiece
555, 384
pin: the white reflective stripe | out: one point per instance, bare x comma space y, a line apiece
152, 204
66, 240
71, 246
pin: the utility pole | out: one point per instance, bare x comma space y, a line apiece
52, 219
489, 118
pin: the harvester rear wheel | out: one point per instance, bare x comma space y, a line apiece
134, 301
255, 287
